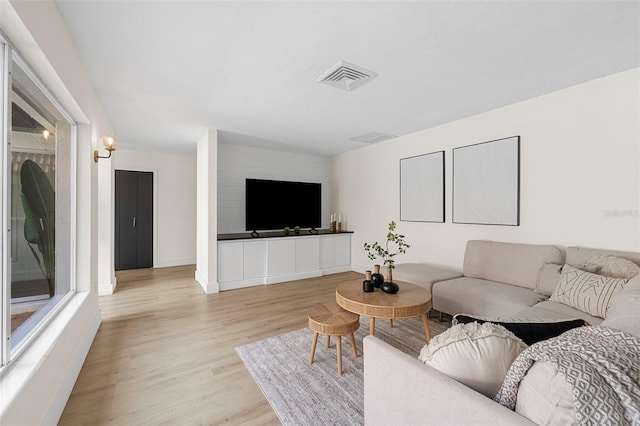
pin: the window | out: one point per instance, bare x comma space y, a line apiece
38, 198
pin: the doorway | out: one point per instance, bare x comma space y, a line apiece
133, 220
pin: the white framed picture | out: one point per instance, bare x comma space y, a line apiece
486, 183
422, 188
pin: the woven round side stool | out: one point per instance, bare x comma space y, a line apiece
332, 320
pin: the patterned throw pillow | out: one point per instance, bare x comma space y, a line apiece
612, 267
586, 292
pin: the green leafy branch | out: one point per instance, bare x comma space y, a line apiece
38, 202
386, 253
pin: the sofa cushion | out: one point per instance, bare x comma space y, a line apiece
423, 274
624, 313
477, 355
590, 293
545, 397
580, 256
548, 278
613, 267
515, 264
529, 331
548, 310
481, 297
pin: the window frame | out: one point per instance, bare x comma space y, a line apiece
8, 57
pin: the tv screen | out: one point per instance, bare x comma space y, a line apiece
274, 204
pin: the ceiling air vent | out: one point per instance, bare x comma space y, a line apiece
345, 75
372, 137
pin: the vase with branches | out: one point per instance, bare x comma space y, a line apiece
394, 245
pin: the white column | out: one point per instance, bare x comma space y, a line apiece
87, 215
207, 212
106, 221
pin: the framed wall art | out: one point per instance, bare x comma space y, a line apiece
422, 188
486, 183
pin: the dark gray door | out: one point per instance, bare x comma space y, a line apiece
134, 220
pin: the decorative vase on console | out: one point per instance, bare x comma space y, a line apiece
377, 277
387, 254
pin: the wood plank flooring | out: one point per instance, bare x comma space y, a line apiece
164, 353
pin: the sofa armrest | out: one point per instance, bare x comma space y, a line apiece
399, 389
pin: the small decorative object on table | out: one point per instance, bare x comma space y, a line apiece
339, 223
332, 223
296, 230
389, 287
367, 284
377, 277
286, 230
376, 250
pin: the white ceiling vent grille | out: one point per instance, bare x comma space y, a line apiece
372, 137
345, 75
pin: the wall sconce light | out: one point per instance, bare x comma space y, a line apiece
46, 134
110, 144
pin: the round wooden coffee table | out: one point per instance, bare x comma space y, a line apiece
409, 301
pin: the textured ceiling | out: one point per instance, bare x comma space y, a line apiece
165, 71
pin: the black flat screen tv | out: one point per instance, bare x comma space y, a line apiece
274, 204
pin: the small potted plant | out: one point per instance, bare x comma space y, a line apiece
296, 230
394, 245
286, 230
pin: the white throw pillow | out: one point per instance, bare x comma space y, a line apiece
612, 267
476, 355
548, 278
624, 313
587, 292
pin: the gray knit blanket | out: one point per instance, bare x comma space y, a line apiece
602, 366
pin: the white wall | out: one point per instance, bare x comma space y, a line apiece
580, 183
35, 388
174, 202
236, 163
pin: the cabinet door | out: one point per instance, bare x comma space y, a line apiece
326, 251
230, 262
281, 254
342, 247
307, 254
255, 257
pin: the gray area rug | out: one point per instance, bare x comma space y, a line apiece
303, 394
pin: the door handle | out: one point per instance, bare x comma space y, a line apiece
134, 221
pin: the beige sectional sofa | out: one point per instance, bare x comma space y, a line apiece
399, 389
503, 280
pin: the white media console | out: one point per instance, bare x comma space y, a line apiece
248, 262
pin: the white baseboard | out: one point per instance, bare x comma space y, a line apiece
292, 277
54, 413
336, 270
208, 288
167, 263
241, 284
108, 288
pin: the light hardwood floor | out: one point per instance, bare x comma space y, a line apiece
164, 353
